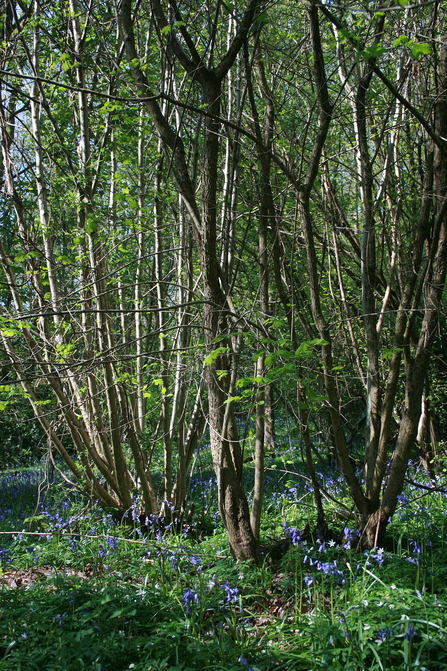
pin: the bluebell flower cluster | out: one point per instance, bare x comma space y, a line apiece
190, 597
350, 535
315, 560
4, 553
113, 542
410, 633
293, 533
378, 555
385, 634
231, 593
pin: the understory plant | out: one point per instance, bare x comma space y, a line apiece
73, 580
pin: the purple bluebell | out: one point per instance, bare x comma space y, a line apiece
190, 596
113, 542
379, 556
410, 633
231, 592
384, 634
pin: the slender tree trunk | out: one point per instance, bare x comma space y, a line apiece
325, 115
225, 447
368, 269
162, 335
138, 292
417, 364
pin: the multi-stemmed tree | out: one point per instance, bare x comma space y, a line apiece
198, 198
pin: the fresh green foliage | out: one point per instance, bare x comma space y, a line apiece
79, 592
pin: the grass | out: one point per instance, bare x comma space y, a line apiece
79, 592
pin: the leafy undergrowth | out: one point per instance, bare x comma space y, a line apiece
79, 592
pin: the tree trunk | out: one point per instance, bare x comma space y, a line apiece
225, 447
417, 364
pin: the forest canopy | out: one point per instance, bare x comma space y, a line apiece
215, 215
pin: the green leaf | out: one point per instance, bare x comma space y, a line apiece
420, 49
232, 398
374, 51
212, 356
319, 341
117, 613
166, 30
399, 40
344, 32
91, 227
388, 352
270, 358
34, 518
262, 18
63, 259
